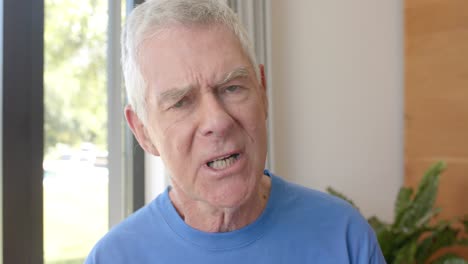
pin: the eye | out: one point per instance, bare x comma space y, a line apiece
234, 93
232, 88
182, 102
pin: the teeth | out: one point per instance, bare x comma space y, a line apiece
223, 163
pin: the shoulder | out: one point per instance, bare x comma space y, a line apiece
313, 202
334, 221
127, 237
312, 209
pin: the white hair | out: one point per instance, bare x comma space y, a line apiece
149, 18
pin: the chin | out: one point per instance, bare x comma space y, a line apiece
232, 196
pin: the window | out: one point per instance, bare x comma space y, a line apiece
92, 179
58, 102
76, 176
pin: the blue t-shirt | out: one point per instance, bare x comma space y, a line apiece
298, 225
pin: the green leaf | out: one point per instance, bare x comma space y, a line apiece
407, 253
403, 201
377, 224
403, 237
424, 199
455, 261
386, 238
462, 242
443, 236
464, 221
426, 218
392, 242
334, 192
449, 258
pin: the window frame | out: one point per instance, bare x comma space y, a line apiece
22, 127
126, 157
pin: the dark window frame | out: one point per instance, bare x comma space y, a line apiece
22, 150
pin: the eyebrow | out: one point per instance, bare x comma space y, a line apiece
240, 72
176, 94
173, 94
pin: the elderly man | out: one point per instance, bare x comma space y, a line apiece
197, 99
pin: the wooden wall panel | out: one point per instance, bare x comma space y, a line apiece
436, 97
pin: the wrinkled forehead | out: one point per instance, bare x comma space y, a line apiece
181, 55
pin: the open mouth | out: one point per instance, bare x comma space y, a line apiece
223, 162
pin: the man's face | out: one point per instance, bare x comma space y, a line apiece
206, 113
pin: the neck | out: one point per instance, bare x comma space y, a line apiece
204, 217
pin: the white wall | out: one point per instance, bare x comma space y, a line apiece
337, 80
1, 130
156, 178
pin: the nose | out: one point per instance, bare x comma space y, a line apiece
215, 120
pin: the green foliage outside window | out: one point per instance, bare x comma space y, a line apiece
75, 101
75, 73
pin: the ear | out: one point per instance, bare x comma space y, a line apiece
140, 131
262, 76
264, 87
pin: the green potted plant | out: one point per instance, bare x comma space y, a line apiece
415, 235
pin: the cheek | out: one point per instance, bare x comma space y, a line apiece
176, 140
254, 123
